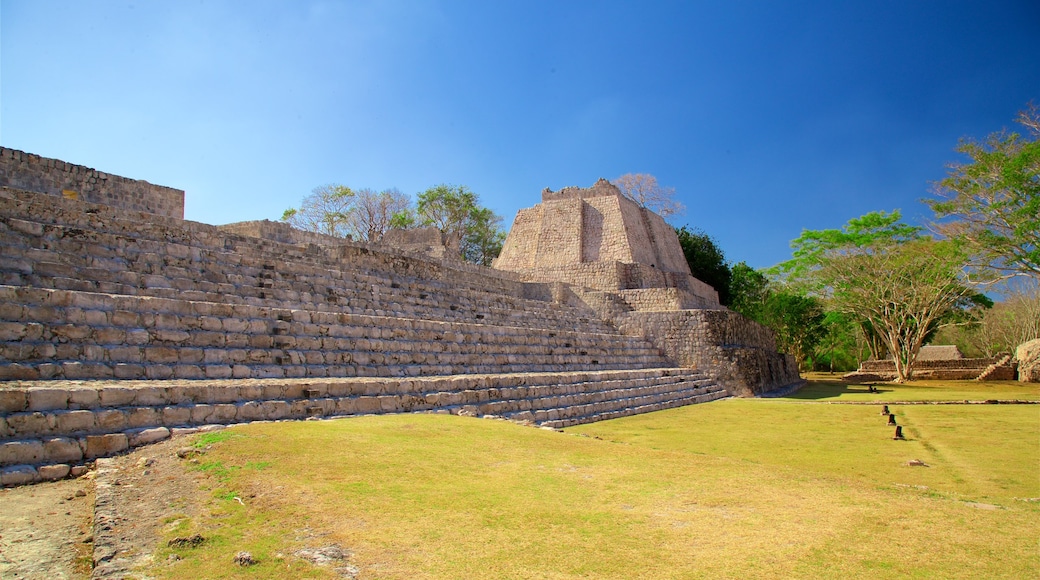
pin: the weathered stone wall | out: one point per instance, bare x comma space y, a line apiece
738, 352
25, 171
961, 369
1028, 356
279, 232
598, 224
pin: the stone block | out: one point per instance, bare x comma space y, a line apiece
140, 437
116, 396
274, 410
11, 331
105, 445
218, 371
13, 400
19, 372
224, 413
61, 450
150, 396
18, 475
143, 417
128, 371
251, 411
110, 419
79, 370
74, 421
54, 472
28, 451
31, 424
82, 397
176, 416
47, 398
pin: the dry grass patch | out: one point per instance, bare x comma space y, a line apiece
738, 488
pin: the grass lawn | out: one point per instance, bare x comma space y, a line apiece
740, 488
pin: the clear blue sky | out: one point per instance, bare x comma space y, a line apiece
766, 117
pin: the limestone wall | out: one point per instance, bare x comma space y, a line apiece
739, 353
20, 170
279, 232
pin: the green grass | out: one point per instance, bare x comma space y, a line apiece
733, 489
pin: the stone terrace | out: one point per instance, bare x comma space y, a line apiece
117, 327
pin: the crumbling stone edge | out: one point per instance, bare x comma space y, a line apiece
784, 390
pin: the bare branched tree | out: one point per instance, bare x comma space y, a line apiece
643, 189
373, 211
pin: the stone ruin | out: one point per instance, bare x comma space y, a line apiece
940, 362
121, 323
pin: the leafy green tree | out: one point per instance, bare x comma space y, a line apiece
748, 290
457, 212
797, 322
842, 347
707, 261
900, 285
992, 204
325, 211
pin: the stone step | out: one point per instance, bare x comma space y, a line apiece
67, 334
173, 258
43, 423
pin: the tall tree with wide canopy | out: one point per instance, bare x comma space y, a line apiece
898, 283
992, 204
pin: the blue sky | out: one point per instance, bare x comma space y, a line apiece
766, 117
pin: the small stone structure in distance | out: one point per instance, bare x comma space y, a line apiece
121, 322
940, 362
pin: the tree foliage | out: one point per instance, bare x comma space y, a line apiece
992, 203
457, 212
324, 211
643, 189
748, 290
797, 322
707, 261
999, 330
900, 285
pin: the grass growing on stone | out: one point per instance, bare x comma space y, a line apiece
736, 488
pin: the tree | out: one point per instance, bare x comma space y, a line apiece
903, 290
748, 291
325, 211
706, 260
1000, 329
993, 202
373, 212
457, 212
797, 322
899, 284
643, 189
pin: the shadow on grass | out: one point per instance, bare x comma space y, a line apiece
816, 389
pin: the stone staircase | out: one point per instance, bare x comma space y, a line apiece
46, 426
118, 328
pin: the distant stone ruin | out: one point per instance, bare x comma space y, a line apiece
121, 323
940, 362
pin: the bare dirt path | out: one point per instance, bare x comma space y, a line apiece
45, 530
